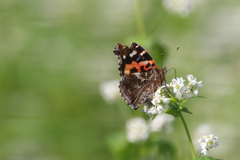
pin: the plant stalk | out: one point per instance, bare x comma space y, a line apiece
189, 137
140, 18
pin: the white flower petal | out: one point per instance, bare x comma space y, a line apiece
137, 130
159, 122
109, 90
207, 142
182, 7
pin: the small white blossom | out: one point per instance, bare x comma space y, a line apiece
182, 7
159, 99
207, 142
192, 80
156, 98
193, 85
151, 110
160, 121
137, 130
160, 103
177, 84
186, 91
109, 90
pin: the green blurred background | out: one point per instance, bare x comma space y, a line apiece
54, 54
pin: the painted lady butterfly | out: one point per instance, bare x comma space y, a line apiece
140, 75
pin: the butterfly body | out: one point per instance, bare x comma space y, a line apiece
140, 75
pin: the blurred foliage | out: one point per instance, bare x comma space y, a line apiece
54, 54
152, 149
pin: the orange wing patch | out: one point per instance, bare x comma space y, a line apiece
152, 63
137, 66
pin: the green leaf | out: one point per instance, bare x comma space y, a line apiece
207, 158
184, 101
166, 149
200, 97
174, 99
173, 111
197, 97
185, 109
153, 117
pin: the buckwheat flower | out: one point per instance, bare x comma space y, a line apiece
159, 99
156, 98
182, 7
207, 142
190, 90
152, 110
187, 93
192, 80
161, 121
160, 103
109, 90
137, 130
193, 85
196, 86
177, 84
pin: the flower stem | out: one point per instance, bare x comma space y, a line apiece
189, 137
158, 23
140, 18
199, 155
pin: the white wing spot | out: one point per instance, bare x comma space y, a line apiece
143, 52
133, 53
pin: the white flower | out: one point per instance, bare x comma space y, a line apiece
151, 110
160, 121
137, 130
177, 84
185, 92
207, 142
160, 103
156, 98
193, 86
159, 99
109, 90
192, 80
182, 7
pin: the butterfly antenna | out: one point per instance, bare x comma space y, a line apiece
161, 60
175, 71
172, 55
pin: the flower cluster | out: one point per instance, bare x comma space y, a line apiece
176, 89
138, 129
110, 91
182, 7
208, 142
185, 92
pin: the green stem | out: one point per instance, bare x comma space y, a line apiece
140, 18
189, 137
159, 21
199, 155
123, 112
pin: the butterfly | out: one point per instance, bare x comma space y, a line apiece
140, 75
